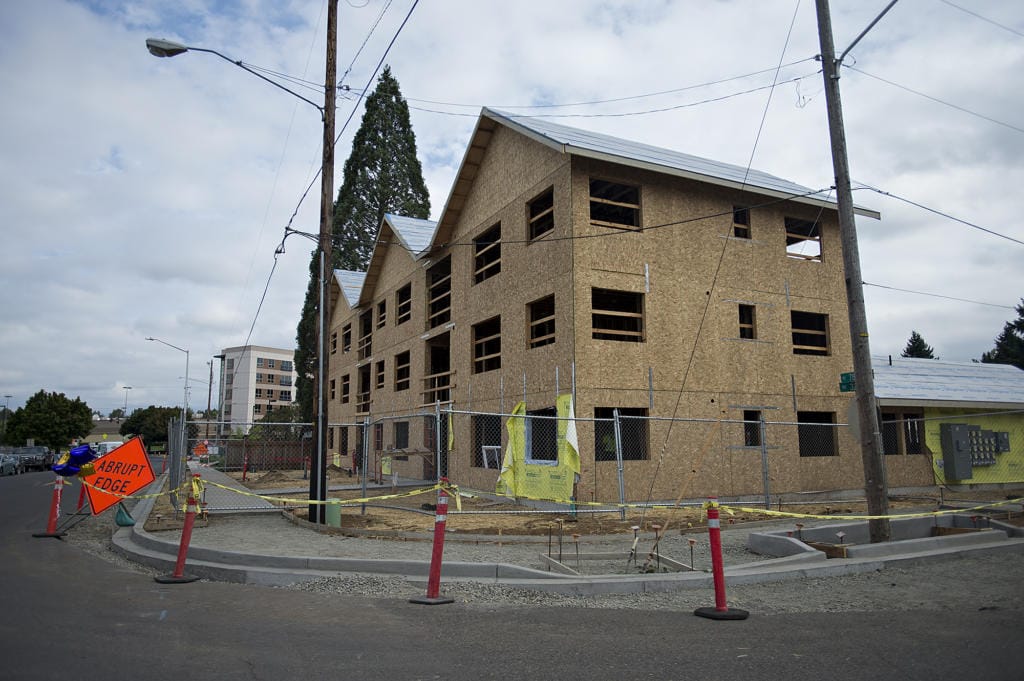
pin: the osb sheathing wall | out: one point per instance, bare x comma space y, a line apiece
693, 275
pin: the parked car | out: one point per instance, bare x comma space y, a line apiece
37, 458
10, 465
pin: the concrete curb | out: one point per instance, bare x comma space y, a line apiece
137, 545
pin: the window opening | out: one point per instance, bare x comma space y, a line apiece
614, 205
633, 431
803, 239
487, 345
810, 333
541, 214
816, 432
403, 304
402, 371
439, 297
751, 428
542, 322
748, 326
487, 254
741, 222
542, 436
617, 315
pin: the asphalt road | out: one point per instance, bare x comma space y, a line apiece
66, 614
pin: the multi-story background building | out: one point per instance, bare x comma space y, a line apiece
255, 380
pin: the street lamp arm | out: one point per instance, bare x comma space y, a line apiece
167, 48
150, 338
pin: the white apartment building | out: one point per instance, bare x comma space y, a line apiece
254, 381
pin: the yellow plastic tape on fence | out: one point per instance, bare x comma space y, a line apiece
926, 514
341, 502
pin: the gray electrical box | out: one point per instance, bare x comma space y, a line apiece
956, 450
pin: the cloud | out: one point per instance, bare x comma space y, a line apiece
146, 196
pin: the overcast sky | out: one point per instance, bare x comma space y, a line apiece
145, 197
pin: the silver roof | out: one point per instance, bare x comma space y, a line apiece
351, 284
414, 233
932, 382
583, 142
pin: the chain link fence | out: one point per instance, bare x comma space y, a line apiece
626, 456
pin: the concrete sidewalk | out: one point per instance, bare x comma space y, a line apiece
273, 551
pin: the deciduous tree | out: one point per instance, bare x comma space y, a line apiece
51, 419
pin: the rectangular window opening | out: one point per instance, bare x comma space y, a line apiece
748, 322
810, 333
617, 315
346, 338
542, 436
487, 441
541, 314
633, 431
487, 345
402, 371
803, 239
382, 314
401, 434
751, 428
365, 334
817, 433
439, 294
379, 382
541, 214
487, 254
614, 205
741, 222
403, 304
346, 387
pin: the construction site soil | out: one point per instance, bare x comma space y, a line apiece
402, 510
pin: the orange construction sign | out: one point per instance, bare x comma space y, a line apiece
121, 473
201, 449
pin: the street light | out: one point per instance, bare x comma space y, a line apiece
184, 403
220, 395
166, 48
124, 415
7, 402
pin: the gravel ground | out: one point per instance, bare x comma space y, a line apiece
953, 583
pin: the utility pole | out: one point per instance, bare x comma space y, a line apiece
209, 399
317, 513
875, 486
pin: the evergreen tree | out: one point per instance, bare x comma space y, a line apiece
382, 175
50, 419
916, 347
1009, 347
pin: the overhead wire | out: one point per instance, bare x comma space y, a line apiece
623, 114
711, 289
938, 212
935, 99
983, 18
937, 295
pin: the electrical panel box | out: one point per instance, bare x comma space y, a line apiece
956, 450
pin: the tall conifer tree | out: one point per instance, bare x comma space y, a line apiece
1009, 347
916, 347
382, 175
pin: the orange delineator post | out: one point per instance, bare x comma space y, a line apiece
178, 577
433, 596
51, 523
721, 611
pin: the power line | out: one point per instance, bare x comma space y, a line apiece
986, 19
936, 295
676, 107
940, 213
616, 99
936, 99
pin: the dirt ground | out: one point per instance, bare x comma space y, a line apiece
415, 513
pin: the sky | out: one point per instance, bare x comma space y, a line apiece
145, 197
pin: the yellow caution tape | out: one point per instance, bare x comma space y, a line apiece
181, 488
340, 502
925, 514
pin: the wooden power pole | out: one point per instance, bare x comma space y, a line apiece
875, 486
318, 474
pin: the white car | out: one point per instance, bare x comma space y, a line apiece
10, 465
